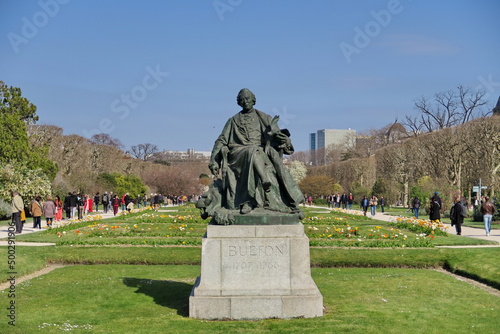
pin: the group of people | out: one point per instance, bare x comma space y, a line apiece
372, 203
344, 201
458, 211
50, 208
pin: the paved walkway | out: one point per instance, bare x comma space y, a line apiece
28, 228
470, 232
466, 231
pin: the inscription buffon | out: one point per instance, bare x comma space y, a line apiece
256, 250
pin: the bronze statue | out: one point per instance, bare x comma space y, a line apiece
248, 154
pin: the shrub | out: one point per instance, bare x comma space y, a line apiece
319, 201
5, 210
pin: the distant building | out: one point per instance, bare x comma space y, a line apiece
188, 155
322, 139
312, 141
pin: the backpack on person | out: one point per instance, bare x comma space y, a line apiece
463, 211
105, 198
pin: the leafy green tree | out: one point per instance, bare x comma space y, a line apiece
379, 188
12, 102
337, 188
359, 191
15, 113
29, 182
13, 139
121, 184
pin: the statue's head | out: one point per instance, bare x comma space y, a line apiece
245, 95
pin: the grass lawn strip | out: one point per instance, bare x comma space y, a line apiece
154, 299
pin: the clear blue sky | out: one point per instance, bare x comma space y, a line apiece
168, 72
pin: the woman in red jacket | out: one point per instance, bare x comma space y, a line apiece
116, 204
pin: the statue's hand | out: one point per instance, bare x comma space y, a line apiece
214, 168
283, 139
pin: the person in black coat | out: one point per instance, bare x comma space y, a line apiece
97, 198
67, 206
434, 213
457, 214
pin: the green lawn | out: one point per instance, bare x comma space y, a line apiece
154, 299
461, 260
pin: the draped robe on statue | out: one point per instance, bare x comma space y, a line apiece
246, 137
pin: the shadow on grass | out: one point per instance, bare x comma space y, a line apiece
171, 294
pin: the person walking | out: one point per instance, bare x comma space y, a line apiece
488, 210
343, 201
49, 211
350, 200
17, 208
97, 198
59, 208
416, 206
364, 204
67, 206
80, 205
105, 202
457, 214
36, 212
73, 200
434, 213
116, 204
373, 205
382, 203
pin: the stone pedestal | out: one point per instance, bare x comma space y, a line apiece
255, 272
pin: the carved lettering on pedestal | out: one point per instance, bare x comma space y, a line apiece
255, 257
255, 250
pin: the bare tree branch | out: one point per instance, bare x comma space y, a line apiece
143, 151
105, 139
447, 109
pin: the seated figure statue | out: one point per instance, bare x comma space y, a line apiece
249, 156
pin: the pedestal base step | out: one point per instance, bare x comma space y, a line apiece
255, 307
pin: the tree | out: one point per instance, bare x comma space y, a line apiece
13, 138
367, 143
303, 156
29, 182
15, 147
16, 112
121, 184
316, 185
446, 109
298, 170
105, 139
143, 151
379, 188
12, 102
43, 135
